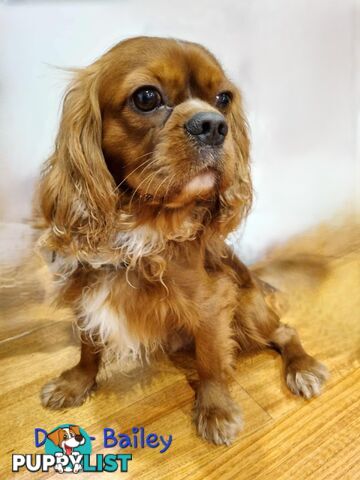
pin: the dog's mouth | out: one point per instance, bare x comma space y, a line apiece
201, 186
68, 450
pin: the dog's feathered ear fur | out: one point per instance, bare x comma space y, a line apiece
75, 429
236, 201
77, 192
55, 436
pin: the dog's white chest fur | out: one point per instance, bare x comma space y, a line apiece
107, 325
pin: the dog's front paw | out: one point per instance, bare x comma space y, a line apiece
305, 376
77, 468
218, 422
59, 468
71, 389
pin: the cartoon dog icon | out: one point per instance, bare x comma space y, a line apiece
67, 438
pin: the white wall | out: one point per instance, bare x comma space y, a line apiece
294, 60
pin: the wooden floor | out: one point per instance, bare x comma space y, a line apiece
284, 437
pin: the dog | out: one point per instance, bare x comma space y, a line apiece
149, 174
67, 439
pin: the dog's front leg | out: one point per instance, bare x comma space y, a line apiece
75, 385
217, 417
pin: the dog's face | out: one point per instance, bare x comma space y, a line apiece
67, 438
151, 131
171, 121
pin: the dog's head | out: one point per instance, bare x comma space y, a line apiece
151, 129
67, 438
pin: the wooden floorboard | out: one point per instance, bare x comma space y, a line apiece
284, 437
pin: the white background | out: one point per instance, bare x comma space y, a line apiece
296, 61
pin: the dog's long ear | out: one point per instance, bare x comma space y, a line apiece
236, 201
75, 429
77, 192
55, 436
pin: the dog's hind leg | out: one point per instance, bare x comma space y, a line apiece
75, 385
257, 325
304, 374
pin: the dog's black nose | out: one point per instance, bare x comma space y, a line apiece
78, 438
209, 128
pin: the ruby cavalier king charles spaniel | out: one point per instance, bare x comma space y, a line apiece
150, 173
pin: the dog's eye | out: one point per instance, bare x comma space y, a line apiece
223, 99
147, 99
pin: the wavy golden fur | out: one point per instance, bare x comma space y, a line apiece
137, 200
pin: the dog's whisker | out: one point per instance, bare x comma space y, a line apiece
159, 186
138, 187
137, 168
169, 185
159, 172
